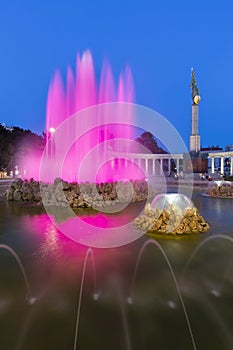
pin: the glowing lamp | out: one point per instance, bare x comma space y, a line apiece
52, 130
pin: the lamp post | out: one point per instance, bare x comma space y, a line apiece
51, 145
16, 171
52, 131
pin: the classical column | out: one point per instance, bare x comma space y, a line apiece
212, 165
222, 165
231, 173
177, 165
153, 166
169, 166
139, 162
146, 166
161, 166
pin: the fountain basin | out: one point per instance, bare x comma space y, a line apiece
171, 213
222, 189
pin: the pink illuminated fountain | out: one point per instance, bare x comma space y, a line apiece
84, 120
82, 91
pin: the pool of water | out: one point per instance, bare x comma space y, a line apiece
159, 293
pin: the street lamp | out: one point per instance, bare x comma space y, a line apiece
52, 130
52, 145
16, 171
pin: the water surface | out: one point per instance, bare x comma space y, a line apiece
154, 318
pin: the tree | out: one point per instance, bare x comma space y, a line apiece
16, 143
148, 140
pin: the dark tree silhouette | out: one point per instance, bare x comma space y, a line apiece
148, 140
15, 143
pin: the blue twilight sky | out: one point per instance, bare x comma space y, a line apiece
161, 40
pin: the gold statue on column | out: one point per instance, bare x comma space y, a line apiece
195, 92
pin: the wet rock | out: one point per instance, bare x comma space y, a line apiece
83, 195
225, 190
57, 182
17, 195
171, 221
9, 194
66, 185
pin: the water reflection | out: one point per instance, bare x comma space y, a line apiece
56, 267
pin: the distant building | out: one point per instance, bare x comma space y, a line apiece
229, 148
211, 149
205, 154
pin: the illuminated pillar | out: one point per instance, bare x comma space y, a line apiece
222, 165
195, 137
212, 165
231, 173
146, 166
177, 165
169, 166
161, 166
153, 166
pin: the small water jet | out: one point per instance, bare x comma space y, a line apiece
121, 302
96, 296
32, 300
130, 298
221, 284
216, 292
29, 297
88, 253
171, 304
197, 294
200, 245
